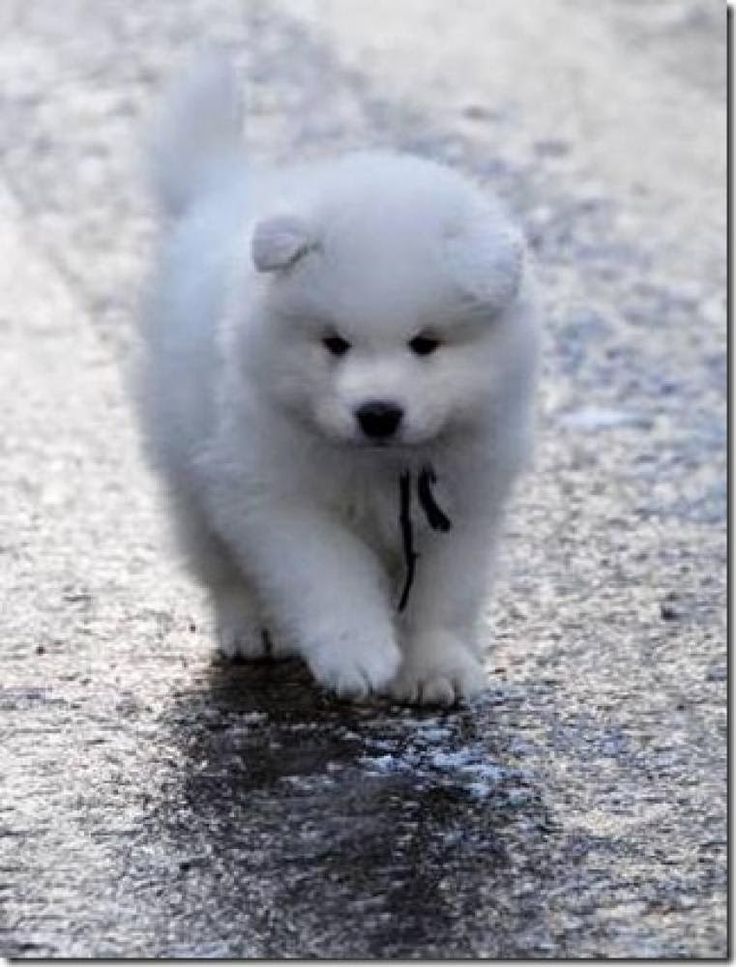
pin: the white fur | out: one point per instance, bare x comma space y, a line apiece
288, 514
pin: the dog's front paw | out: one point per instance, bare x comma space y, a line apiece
355, 668
438, 670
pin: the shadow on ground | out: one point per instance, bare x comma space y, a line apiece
317, 827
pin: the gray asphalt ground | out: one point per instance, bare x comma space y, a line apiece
156, 803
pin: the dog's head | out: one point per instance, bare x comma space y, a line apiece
385, 303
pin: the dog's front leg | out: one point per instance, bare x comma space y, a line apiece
325, 589
441, 648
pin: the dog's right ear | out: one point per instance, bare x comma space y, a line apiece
280, 241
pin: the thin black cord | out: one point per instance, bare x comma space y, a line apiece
436, 517
407, 537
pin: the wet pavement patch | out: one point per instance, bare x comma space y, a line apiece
374, 821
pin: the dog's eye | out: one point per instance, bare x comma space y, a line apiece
424, 345
336, 345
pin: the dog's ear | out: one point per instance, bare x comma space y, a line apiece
486, 260
280, 241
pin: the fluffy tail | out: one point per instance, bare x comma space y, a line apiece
196, 145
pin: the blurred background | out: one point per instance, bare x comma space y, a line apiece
155, 804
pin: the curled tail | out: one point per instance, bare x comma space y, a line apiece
195, 145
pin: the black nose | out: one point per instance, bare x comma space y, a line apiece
379, 420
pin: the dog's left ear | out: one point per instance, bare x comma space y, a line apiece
486, 260
280, 241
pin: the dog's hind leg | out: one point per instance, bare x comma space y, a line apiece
241, 628
240, 631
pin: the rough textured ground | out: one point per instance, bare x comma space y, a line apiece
153, 803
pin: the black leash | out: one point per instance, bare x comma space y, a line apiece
407, 537
436, 518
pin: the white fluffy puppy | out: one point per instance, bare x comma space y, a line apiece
337, 385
